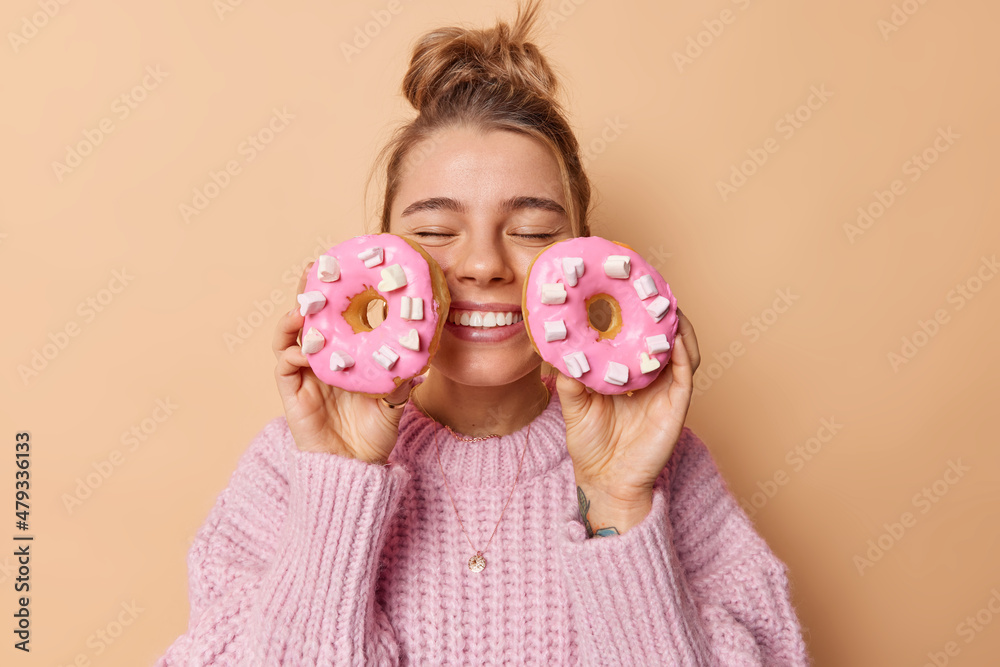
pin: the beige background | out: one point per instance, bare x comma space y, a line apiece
660, 136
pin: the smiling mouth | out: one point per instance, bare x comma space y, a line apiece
483, 319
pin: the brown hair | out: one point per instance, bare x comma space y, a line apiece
492, 79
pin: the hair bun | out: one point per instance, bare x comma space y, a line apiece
450, 58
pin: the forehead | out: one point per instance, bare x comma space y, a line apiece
478, 168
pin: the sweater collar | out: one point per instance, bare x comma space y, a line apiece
486, 463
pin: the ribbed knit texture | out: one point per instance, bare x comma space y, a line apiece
315, 559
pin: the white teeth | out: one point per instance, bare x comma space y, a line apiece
483, 319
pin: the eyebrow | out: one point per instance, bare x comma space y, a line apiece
507, 206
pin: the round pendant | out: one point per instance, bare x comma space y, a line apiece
477, 563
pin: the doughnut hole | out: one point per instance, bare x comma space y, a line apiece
366, 311
376, 312
604, 315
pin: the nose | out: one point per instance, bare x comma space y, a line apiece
483, 262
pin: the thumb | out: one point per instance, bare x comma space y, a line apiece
398, 397
573, 396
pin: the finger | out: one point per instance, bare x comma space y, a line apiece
290, 325
399, 396
664, 379
573, 395
302, 279
400, 393
288, 371
683, 372
287, 332
684, 328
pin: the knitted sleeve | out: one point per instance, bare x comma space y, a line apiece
692, 584
283, 570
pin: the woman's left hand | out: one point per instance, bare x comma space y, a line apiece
619, 444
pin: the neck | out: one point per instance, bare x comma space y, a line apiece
482, 411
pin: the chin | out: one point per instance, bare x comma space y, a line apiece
479, 366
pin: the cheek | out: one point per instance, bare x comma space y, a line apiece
441, 257
524, 261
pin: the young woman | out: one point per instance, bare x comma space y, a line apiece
487, 513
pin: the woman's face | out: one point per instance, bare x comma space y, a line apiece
482, 205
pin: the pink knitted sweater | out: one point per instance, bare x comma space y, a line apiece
316, 559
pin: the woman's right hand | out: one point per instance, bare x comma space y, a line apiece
322, 418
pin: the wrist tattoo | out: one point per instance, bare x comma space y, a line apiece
585, 511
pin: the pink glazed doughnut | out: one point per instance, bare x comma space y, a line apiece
343, 349
564, 279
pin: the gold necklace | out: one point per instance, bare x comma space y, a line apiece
478, 562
